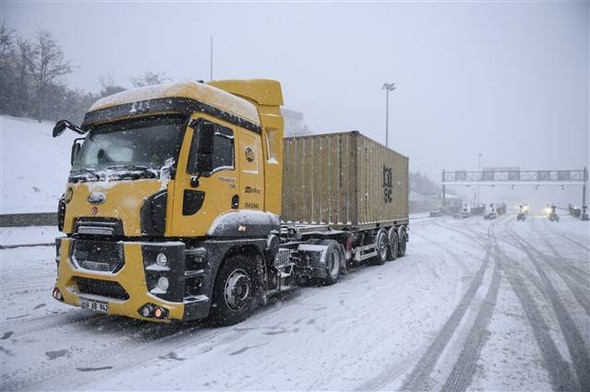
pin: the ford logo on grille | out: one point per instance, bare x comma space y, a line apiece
97, 198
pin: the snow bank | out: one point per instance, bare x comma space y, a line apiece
34, 167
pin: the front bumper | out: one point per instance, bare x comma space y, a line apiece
129, 283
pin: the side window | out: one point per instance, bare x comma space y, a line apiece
223, 148
274, 141
220, 153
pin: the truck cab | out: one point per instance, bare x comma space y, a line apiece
167, 182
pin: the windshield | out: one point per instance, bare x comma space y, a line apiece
144, 145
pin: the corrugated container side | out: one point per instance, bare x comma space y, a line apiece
317, 186
342, 179
382, 183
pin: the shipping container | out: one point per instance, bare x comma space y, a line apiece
345, 180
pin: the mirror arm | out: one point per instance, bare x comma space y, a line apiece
63, 124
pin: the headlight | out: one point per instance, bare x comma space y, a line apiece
161, 260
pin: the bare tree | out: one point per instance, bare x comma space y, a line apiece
109, 87
7, 56
25, 65
6, 41
49, 67
149, 79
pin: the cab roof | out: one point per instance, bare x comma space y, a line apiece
197, 91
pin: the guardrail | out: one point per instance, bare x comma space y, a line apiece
29, 219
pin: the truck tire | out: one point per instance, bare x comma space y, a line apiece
382, 247
333, 262
393, 243
235, 290
403, 238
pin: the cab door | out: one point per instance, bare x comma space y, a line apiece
249, 157
202, 197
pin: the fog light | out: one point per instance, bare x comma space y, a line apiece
146, 311
57, 294
163, 283
160, 312
161, 260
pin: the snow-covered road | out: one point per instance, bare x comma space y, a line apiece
478, 305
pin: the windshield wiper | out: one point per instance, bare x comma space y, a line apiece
86, 171
134, 168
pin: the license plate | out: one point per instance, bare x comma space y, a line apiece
97, 306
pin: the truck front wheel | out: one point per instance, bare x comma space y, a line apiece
235, 290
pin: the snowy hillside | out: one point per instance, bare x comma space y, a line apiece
34, 165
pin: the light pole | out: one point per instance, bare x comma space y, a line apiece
387, 87
479, 155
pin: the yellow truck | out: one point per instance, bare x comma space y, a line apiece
173, 206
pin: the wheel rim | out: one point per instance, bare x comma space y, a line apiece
333, 265
237, 289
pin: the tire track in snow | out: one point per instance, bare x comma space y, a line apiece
458, 260
119, 328
576, 281
584, 247
476, 237
559, 371
421, 372
462, 373
573, 338
44, 323
429, 356
575, 270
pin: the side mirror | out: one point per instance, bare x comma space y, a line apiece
61, 126
202, 156
75, 150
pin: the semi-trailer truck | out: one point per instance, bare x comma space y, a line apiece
185, 202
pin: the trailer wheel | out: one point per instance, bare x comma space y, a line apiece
235, 290
333, 261
382, 247
393, 244
403, 238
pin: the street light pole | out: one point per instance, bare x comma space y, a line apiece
387, 87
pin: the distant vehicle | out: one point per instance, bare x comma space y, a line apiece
436, 214
491, 215
551, 213
491, 212
465, 210
523, 212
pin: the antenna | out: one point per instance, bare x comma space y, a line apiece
211, 60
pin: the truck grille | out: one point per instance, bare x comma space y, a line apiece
104, 288
102, 256
99, 226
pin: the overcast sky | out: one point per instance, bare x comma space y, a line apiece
509, 80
